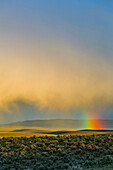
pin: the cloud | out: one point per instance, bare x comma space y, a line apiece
57, 77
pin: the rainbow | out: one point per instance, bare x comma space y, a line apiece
91, 121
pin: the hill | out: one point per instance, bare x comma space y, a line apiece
59, 124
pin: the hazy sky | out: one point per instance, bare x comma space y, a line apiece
56, 59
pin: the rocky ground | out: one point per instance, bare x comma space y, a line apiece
57, 152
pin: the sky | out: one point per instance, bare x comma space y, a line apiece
56, 59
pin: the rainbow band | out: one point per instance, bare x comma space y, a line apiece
91, 121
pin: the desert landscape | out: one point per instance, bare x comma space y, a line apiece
32, 147
56, 84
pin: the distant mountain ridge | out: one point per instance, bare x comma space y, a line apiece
59, 123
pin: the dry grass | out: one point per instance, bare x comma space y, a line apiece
18, 131
18, 134
8, 131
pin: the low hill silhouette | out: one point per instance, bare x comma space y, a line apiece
60, 124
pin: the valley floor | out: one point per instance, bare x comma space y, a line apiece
19, 131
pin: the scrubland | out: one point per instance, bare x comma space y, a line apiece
57, 152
